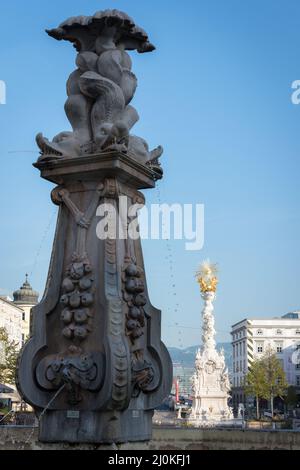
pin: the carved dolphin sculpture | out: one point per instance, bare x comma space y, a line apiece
100, 90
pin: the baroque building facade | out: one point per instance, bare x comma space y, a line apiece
15, 314
250, 339
25, 298
11, 320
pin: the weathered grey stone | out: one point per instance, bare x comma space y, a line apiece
165, 439
95, 367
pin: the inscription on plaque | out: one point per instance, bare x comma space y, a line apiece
71, 414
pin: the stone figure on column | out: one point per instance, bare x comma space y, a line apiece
101, 89
211, 383
95, 367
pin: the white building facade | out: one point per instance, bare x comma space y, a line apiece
15, 314
251, 338
25, 298
11, 320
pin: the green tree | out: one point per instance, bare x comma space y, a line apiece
9, 352
266, 379
255, 382
276, 384
291, 398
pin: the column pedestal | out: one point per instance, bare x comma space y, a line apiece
95, 367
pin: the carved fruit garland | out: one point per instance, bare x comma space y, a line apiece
134, 296
133, 293
77, 300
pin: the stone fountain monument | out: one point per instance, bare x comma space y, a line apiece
95, 367
210, 381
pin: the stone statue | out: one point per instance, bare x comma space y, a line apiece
224, 381
241, 411
95, 367
210, 381
101, 89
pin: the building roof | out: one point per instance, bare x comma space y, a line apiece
26, 295
292, 315
6, 388
10, 302
288, 316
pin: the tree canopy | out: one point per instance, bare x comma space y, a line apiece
266, 378
9, 352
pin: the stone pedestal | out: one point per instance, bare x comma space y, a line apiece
95, 367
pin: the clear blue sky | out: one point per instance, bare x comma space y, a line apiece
216, 95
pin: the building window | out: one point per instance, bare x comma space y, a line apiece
259, 347
298, 331
279, 347
23, 316
260, 332
244, 347
279, 331
298, 380
297, 366
23, 339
